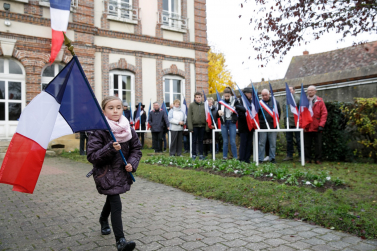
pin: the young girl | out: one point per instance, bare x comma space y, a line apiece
177, 120
110, 175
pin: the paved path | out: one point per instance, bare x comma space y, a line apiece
63, 213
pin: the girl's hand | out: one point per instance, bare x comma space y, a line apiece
116, 146
221, 113
129, 168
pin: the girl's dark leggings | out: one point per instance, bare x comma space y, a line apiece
113, 205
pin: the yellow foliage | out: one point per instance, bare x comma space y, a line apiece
218, 76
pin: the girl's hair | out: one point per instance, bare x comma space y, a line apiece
210, 98
177, 101
228, 90
108, 99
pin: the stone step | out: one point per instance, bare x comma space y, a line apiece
4, 143
48, 153
3, 149
2, 155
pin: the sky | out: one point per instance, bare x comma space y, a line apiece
224, 29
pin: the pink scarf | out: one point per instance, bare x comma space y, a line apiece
121, 129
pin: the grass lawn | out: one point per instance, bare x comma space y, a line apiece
353, 209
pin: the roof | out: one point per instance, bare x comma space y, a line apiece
332, 61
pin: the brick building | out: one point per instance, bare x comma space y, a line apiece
140, 50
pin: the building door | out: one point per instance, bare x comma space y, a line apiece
12, 96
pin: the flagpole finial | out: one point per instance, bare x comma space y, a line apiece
68, 43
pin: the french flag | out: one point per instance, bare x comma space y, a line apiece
246, 104
132, 123
59, 12
291, 103
66, 106
163, 107
275, 109
137, 117
255, 108
225, 104
149, 114
208, 112
185, 110
306, 112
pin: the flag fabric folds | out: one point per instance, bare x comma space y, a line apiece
291, 103
184, 109
59, 12
137, 117
275, 108
207, 111
149, 114
66, 106
306, 112
255, 107
250, 119
163, 107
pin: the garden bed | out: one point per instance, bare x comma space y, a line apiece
320, 181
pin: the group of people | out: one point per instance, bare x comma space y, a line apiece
112, 176
230, 115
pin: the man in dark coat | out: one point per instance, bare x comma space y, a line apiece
157, 120
272, 136
143, 119
126, 112
246, 145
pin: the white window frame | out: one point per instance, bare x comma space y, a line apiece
46, 3
21, 1
6, 77
175, 20
134, 14
183, 84
47, 80
123, 73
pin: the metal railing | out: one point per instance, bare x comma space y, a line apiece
121, 10
173, 20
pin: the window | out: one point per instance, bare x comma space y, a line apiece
12, 95
49, 73
171, 16
121, 10
173, 89
122, 85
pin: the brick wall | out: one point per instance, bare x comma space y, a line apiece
159, 84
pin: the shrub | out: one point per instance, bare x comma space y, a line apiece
363, 116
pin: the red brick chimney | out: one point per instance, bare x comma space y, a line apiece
305, 52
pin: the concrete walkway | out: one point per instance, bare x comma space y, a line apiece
63, 213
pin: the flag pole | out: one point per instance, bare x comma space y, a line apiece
67, 42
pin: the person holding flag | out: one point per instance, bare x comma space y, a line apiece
267, 120
197, 124
186, 134
313, 130
140, 116
228, 117
177, 120
102, 153
290, 122
246, 123
211, 112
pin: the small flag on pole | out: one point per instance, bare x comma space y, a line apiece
137, 117
225, 104
207, 111
275, 108
163, 107
306, 112
291, 103
59, 13
149, 114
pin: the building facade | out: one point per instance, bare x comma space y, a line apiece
139, 50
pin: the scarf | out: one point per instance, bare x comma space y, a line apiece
311, 103
121, 129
